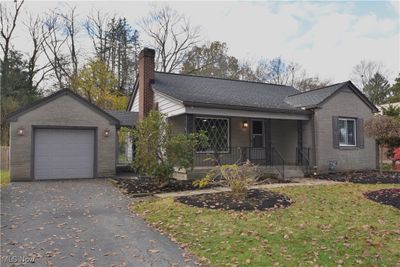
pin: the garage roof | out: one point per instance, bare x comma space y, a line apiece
15, 115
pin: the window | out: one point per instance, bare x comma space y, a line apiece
347, 132
217, 131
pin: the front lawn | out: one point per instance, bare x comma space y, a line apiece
4, 177
327, 225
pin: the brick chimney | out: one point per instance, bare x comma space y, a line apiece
146, 76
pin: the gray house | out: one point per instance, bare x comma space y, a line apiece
289, 132
268, 124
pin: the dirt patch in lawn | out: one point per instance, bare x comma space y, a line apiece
389, 196
363, 177
143, 186
255, 200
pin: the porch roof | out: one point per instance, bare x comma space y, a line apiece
125, 118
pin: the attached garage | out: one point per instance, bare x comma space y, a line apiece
62, 136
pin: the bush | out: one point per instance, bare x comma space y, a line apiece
237, 177
386, 131
158, 151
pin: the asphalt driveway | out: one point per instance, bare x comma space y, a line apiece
78, 223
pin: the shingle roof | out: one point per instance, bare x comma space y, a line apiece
198, 90
38, 103
313, 97
126, 118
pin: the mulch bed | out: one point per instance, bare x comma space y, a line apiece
389, 196
145, 186
255, 200
363, 177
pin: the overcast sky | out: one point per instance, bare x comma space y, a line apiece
326, 38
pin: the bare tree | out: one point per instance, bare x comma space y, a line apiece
54, 49
117, 44
306, 83
38, 36
8, 22
172, 36
277, 71
246, 72
365, 71
71, 30
212, 59
96, 27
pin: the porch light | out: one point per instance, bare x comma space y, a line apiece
107, 133
21, 131
245, 124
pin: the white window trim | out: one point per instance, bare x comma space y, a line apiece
355, 132
229, 133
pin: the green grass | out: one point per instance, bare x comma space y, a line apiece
327, 225
5, 177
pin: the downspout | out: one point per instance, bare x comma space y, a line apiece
314, 141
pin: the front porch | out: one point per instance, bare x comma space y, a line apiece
283, 146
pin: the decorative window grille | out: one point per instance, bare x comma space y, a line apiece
217, 131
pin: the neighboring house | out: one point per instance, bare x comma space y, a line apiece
395, 104
265, 123
65, 136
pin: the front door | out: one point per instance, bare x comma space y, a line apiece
257, 141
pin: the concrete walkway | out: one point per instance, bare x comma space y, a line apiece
297, 182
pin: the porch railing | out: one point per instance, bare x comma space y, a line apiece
278, 162
237, 155
233, 155
303, 159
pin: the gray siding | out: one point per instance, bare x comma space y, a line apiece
178, 124
239, 135
62, 111
345, 103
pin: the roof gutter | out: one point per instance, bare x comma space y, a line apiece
236, 107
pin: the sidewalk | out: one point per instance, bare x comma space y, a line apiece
298, 182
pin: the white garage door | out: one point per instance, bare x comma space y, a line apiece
63, 153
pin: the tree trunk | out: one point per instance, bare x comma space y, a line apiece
381, 158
